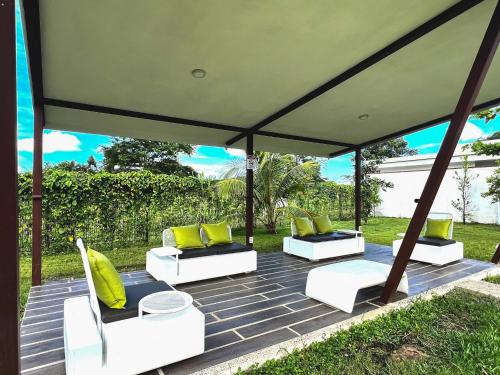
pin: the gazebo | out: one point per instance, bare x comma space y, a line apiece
322, 79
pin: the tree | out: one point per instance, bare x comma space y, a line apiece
490, 149
371, 158
128, 154
464, 180
277, 178
73, 166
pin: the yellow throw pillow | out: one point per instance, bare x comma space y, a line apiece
187, 236
323, 224
217, 233
438, 228
108, 284
304, 226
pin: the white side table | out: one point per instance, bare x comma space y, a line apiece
168, 251
167, 302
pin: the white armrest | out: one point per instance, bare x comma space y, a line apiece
166, 251
401, 235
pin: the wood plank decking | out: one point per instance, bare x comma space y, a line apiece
244, 313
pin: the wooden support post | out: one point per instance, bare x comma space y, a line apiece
357, 189
31, 14
496, 257
36, 234
249, 191
9, 265
463, 109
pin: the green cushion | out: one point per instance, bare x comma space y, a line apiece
304, 226
187, 236
108, 284
217, 233
323, 224
438, 228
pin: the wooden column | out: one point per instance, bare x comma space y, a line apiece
36, 234
249, 192
357, 189
496, 257
33, 45
463, 109
9, 265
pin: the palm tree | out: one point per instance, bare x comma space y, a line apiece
276, 179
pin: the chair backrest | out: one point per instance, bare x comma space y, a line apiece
169, 238
94, 304
441, 216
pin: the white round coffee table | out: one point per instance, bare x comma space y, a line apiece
167, 302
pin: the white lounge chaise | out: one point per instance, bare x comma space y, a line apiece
436, 251
338, 284
176, 266
323, 246
100, 340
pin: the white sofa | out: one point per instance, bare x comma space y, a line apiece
433, 250
176, 266
101, 341
340, 243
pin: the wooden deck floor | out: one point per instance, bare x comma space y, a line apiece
244, 313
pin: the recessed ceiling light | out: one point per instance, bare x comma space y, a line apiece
198, 73
363, 116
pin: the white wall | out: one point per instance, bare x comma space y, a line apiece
408, 185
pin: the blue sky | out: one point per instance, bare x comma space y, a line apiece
212, 161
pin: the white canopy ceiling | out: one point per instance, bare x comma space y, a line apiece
259, 56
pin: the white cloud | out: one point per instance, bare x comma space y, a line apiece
209, 170
427, 145
54, 141
236, 152
471, 132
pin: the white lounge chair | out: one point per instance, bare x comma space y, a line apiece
100, 340
338, 284
434, 250
339, 243
176, 266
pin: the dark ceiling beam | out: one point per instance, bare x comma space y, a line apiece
181, 121
416, 128
395, 46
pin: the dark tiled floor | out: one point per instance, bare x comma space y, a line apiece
244, 313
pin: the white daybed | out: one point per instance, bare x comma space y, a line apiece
101, 341
434, 250
323, 246
338, 284
176, 266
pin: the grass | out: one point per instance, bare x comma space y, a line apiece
493, 279
453, 334
479, 240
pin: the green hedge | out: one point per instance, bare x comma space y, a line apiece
111, 210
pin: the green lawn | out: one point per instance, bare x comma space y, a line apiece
479, 240
453, 334
493, 279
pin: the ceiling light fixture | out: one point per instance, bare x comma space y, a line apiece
198, 73
363, 116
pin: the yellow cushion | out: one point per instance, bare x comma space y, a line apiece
108, 284
438, 228
323, 224
304, 226
217, 233
187, 236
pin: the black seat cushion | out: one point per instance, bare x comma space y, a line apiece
134, 294
434, 241
335, 236
214, 250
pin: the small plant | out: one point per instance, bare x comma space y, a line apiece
464, 178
